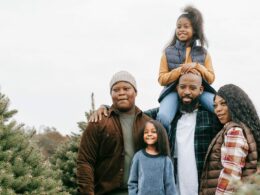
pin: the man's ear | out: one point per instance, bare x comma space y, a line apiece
135, 93
201, 89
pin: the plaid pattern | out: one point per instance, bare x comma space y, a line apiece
233, 156
207, 126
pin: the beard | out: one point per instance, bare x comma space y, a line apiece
189, 107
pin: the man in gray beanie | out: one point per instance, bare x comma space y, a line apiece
123, 76
107, 146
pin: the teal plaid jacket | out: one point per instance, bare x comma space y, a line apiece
207, 126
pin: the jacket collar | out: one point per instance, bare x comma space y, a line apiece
113, 111
180, 45
193, 43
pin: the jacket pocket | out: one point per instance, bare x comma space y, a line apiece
109, 144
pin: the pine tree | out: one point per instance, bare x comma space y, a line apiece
64, 160
49, 140
22, 168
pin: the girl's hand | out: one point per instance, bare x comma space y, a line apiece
187, 67
195, 71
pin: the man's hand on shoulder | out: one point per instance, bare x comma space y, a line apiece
98, 114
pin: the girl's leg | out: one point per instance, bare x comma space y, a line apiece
207, 101
167, 110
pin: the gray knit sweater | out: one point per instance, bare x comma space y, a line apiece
151, 175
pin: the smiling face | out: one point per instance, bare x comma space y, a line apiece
150, 134
221, 110
184, 30
123, 96
189, 88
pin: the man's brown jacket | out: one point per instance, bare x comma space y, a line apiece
100, 163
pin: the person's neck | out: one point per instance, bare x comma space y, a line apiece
128, 112
189, 109
187, 44
196, 107
151, 149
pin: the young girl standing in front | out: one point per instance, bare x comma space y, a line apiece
152, 170
185, 53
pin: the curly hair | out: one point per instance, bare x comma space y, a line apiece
241, 109
196, 20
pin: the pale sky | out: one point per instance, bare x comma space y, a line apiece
54, 53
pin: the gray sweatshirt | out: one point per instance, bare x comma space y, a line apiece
151, 175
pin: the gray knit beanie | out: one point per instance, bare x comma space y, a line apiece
123, 76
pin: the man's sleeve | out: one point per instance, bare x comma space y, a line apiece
152, 113
86, 160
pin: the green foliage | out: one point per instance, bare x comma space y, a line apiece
49, 141
64, 160
83, 124
251, 186
22, 168
5, 114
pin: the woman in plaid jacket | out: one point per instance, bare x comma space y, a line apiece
234, 152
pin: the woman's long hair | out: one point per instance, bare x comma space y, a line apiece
241, 109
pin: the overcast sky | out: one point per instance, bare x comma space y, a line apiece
54, 53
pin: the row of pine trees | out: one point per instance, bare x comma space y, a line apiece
32, 163
45, 163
